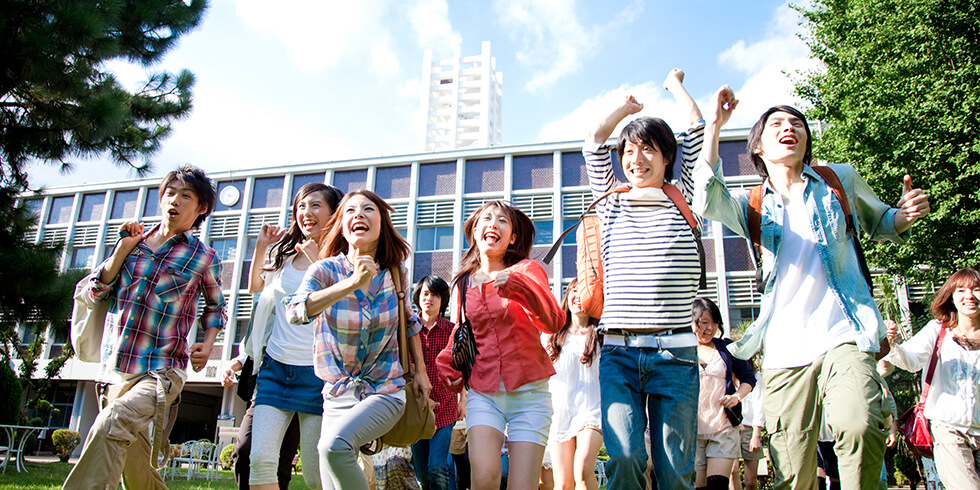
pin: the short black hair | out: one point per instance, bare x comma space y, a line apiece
755, 135
199, 181
702, 305
436, 285
652, 131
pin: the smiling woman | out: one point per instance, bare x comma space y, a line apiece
349, 297
508, 301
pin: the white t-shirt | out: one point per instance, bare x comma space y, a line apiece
288, 343
807, 321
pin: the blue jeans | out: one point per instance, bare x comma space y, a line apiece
665, 383
432, 463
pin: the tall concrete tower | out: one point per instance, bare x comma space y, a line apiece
461, 99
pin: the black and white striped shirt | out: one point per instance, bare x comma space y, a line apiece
649, 255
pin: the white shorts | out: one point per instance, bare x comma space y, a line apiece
524, 414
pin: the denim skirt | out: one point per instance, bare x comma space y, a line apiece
289, 387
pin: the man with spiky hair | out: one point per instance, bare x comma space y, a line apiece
152, 282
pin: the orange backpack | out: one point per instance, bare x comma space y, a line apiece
589, 254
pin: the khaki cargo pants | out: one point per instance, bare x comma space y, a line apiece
118, 445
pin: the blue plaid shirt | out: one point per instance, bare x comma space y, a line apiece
355, 344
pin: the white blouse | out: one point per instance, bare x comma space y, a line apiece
954, 394
574, 391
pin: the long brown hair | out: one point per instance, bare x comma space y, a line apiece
942, 306
592, 343
523, 230
392, 248
287, 245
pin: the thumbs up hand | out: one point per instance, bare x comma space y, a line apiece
913, 205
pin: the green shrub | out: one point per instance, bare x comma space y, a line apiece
65, 441
225, 457
12, 390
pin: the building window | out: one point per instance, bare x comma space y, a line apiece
573, 170
152, 206
484, 175
300, 180
232, 203
393, 182
81, 258
92, 205
60, 210
241, 328
437, 179
350, 180
533, 171
438, 238
124, 205
267, 193
226, 249
544, 233
247, 262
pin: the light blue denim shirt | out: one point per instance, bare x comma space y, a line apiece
713, 200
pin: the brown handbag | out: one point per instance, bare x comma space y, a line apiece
416, 422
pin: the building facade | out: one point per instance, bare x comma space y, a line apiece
461, 101
432, 194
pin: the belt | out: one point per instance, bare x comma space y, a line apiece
667, 339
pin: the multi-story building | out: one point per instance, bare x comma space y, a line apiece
461, 101
432, 194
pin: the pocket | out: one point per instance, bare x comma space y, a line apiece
172, 284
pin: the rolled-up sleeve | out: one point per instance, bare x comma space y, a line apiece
712, 199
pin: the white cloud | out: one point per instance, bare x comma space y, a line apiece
553, 42
656, 101
769, 65
430, 22
318, 34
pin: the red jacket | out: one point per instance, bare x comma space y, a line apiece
506, 324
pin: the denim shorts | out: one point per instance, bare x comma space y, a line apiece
525, 413
289, 387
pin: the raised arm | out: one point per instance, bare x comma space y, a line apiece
674, 83
268, 235
605, 126
722, 105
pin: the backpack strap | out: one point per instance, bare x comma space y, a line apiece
678, 199
554, 247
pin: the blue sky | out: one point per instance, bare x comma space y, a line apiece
300, 81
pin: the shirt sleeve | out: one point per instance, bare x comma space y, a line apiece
876, 218
527, 283
214, 314
690, 152
712, 199
598, 167
914, 354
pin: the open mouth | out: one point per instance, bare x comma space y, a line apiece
491, 237
307, 223
788, 140
172, 213
358, 227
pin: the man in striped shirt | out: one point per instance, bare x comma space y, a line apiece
648, 365
152, 281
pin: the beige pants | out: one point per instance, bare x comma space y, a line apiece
844, 387
957, 456
118, 445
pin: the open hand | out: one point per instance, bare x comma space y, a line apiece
268, 235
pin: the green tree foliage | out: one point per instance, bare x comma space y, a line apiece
900, 93
58, 101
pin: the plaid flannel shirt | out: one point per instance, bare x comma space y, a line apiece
433, 341
355, 345
153, 304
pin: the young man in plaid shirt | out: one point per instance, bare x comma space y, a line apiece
152, 282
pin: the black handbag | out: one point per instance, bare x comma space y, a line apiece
464, 345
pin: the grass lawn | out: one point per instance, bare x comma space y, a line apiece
50, 476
